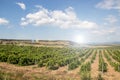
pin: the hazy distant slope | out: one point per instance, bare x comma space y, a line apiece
38, 42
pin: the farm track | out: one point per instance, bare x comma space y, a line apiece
111, 74
94, 67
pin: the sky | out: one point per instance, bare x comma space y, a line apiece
75, 20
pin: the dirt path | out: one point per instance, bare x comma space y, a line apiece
94, 67
111, 74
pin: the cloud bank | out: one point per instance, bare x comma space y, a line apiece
61, 18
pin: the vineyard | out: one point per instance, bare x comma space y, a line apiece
68, 63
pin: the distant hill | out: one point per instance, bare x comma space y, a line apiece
54, 43
60, 43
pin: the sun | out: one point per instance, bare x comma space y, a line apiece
79, 39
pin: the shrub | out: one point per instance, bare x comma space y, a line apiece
99, 77
24, 61
52, 65
72, 66
103, 67
85, 76
117, 67
85, 67
13, 59
3, 57
1, 76
40, 63
61, 63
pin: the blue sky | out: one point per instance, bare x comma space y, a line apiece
76, 20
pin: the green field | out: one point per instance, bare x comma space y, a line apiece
85, 62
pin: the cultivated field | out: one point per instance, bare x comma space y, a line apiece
67, 63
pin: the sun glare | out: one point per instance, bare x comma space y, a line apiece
79, 39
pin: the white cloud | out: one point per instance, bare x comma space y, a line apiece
62, 19
22, 5
3, 21
104, 31
111, 19
109, 4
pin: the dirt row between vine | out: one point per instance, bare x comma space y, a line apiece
111, 74
94, 67
32, 72
77, 70
111, 57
